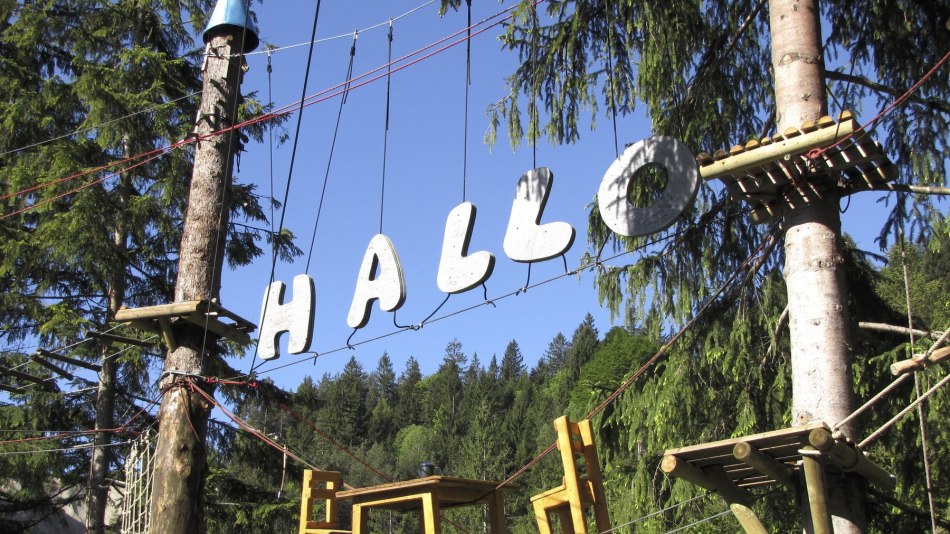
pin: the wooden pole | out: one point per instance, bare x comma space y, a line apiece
820, 520
180, 457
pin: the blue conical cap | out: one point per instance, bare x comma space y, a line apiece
232, 15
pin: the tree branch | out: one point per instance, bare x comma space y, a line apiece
932, 103
908, 188
900, 330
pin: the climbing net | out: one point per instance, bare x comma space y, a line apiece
138, 486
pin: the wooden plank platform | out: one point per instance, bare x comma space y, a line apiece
768, 458
204, 313
775, 174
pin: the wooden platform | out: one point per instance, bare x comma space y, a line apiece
206, 314
774, 174
730, 467
768, 458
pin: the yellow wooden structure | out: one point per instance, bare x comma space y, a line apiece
583, 484
320, 485
427, 497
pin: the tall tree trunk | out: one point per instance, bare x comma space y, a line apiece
102, 454
183, 419
822, 384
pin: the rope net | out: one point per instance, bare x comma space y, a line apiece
138, 486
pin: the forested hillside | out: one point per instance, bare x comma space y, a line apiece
487, 416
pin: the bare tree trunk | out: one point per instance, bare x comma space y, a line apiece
822, 384
180, 456
102, 454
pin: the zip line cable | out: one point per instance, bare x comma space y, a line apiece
345, 35
267, 51
100, 125
326, 176
293, 156
660, 353
316, 98
870, 125
486, 302
389, 80
468, 85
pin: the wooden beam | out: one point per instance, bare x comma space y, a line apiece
29, 378
121, 339
12, 389
798, 144
850, 459
900, 330
168, 336
748, 519
54, 368
817, 494
711, 479
763, 463
70, 361
175, 309
916, 363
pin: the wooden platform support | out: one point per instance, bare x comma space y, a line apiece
714, 478
42, 382
918, 362
67, 360
162, 319
850, 459
731, 467
817, 494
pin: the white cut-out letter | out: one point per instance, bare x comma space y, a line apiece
459, 271
682, 183
526, 239
295, 317
380, 279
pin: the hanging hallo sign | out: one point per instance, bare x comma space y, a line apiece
526, 240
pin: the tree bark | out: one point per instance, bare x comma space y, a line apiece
180, 456
822, 384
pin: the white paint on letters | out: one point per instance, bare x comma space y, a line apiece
682, 183
295, 317
381, 278
526, 239
459, 271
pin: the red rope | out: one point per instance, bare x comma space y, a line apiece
245, 426
649, 363
816, 153
326, 94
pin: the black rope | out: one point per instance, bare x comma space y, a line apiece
610, 76
468, 83
534, 86
293, 156
336, 131
389, 68
270, 158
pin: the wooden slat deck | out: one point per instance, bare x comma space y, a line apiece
774, 174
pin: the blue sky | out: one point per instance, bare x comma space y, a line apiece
423, 182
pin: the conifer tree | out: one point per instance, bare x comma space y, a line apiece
90, 84
704, 73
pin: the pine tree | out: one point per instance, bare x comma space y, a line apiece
91, 84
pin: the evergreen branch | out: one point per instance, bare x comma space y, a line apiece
932, 103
